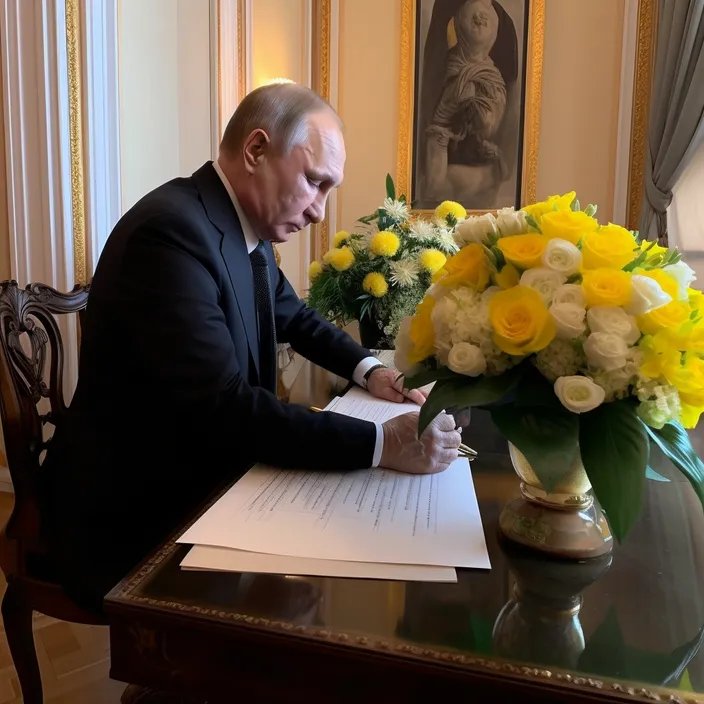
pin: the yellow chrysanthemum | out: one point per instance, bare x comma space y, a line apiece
340, 259
449, 207
375, 284
385, 243
315, 270
340, 238
432, 260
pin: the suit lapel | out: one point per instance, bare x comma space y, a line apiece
221, 212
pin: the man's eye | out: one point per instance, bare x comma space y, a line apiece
313, 182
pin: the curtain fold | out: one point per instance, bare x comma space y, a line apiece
676, 127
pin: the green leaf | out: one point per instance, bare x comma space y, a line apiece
532, 222
673, 440
615, 452
535, 390
651, 474
546, 436
465, 391
390, 188
428, 376
590, 210
575, 204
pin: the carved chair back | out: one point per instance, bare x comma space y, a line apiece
29, 335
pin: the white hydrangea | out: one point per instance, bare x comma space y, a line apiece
463, 316
559, 358
617, 383
659, 403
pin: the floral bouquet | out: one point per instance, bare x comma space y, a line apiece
583, 342
380, 274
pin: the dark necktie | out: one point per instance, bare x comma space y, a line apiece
265, 318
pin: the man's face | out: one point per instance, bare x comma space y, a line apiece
288, 191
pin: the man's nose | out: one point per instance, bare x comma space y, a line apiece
316, 210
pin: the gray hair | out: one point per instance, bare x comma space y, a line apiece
280, 109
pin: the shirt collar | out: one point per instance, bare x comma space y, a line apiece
249, 236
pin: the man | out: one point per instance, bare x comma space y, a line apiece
177, 379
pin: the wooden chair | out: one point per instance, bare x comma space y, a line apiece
29, 313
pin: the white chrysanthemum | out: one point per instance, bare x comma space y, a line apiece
396, 209
404, 272
618, 382
559, 358
422, 229
445, 241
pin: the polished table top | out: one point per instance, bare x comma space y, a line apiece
635, 629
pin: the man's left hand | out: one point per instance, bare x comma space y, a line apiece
388, 384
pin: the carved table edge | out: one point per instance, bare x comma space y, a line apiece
123, 595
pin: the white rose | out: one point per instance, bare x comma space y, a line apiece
466, 358
647, 295
614, 320
569, 293
477, 228
544, 281
563, 256
569, 319
579, 394
606, 351
684, 275
404, 346
511, 222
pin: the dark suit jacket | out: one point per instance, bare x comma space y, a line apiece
167, 406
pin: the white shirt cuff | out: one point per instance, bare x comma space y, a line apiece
378, 445
362, 368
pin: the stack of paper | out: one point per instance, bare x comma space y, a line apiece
373, 523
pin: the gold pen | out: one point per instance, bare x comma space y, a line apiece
315, 409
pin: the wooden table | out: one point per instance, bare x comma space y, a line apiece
530, 629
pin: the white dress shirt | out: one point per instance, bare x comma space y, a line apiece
252, 241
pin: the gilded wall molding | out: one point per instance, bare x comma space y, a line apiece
75, 120
531, 138
642, 87
320, 75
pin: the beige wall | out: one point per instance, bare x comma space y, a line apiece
5, 272
579, 113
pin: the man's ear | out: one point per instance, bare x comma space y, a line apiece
255, 149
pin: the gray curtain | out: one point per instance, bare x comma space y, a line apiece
677, 108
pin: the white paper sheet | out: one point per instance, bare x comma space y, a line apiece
202, 557
373, 515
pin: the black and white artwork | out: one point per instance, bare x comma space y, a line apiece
469, 102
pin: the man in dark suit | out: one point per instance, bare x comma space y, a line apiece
177, 378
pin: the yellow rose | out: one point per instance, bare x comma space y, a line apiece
521, 321
667, 283
340, 259
507, 277
606, 287
523, 251
668, 316
375, 284
340, 237
611, 246
469, 266
449, 207
315, 270
385, 243
432, 260
567, 225
538, 210
422, 332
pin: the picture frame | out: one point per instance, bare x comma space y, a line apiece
469, 128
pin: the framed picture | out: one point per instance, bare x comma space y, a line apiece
470, 102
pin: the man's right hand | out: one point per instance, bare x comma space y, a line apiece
433, 452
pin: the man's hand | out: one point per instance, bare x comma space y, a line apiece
388, 384
433, 452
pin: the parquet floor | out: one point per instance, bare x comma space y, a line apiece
74, 660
